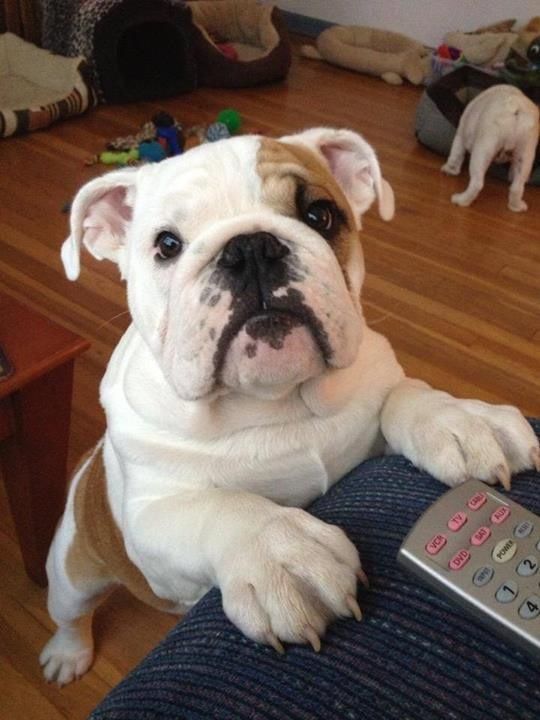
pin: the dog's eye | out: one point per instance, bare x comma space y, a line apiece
320, 215
168, 245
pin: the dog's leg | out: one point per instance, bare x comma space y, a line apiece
283, 574
522, 163
457, 439
69, 653
457, 155
481, 156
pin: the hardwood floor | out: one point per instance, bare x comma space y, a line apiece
456, 290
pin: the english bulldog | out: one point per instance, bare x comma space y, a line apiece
500, 125
247, 384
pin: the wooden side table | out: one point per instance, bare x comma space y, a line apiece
35, 407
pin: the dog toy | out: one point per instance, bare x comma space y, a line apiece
231, 118
217, 131
168, 130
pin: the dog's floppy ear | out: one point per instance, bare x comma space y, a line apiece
100, 216
354, 165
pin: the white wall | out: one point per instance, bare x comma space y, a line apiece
425, 20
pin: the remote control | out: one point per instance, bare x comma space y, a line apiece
482, 550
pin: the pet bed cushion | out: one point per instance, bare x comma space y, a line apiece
441, 107
37, 88
256, 32
415, 656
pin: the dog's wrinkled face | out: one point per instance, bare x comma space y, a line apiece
241, 257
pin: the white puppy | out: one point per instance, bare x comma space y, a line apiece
247, 384
500, 125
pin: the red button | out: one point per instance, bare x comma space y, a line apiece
499, 515
480, 536
435, 544
460, 559
477, 500
457, 521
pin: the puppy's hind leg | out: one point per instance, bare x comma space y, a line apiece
481, 156
522, 163
69, 653
78, 580
457, 154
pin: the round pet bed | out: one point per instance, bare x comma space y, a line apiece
441, 107
256, 32
37, 87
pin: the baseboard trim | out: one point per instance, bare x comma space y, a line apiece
304, 25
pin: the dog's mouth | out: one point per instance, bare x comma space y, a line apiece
272, 325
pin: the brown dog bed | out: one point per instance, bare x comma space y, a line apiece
256, 32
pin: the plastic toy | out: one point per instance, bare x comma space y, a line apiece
217, 131
167, 129
231, 118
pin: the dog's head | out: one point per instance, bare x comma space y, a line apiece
242, 257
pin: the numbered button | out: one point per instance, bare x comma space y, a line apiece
499, 515
528, 566
483, 575
530, 609
507, 591
523, 529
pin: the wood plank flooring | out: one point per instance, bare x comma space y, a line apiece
456, 290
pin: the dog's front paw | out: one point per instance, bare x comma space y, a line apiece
297, 575
459, 439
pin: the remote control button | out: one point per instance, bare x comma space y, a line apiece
523, 529
436, 543
528, 566
504, 550
499, 515
457, 521
483, 575
507, 591
460, 559
477, 500
530, 608
480, 536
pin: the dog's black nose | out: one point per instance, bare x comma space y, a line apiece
261, 249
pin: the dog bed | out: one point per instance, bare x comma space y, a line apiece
37, 87
257, 34
441, 107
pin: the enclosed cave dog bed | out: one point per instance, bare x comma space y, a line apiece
136, 49
147, 49
38, 88
441, 107
256, 33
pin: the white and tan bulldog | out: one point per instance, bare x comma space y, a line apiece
246, 386
500, 125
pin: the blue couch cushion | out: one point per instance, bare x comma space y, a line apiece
414, 656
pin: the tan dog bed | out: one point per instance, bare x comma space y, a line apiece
256, 32
37, 88
389, 55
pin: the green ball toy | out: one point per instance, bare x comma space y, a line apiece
231, 118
